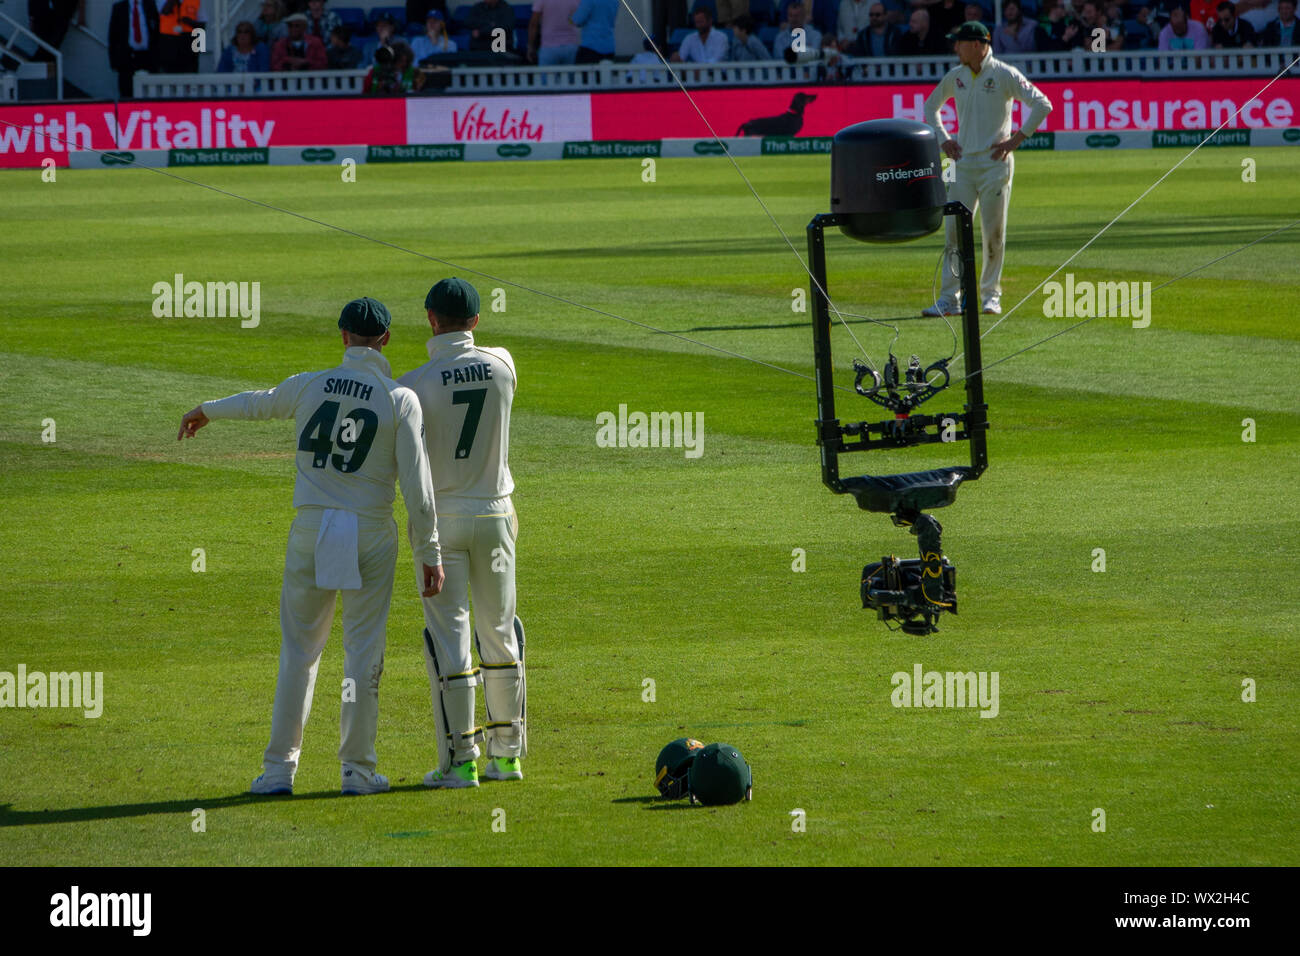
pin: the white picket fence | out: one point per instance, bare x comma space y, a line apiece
1076, 64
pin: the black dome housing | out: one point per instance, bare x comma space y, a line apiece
887, 180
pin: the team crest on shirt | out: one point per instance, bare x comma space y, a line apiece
960, 84
988, 84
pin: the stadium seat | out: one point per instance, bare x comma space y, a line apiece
462, 40
1135, 35
354, 18
523, 13
763, 11
461, 14
768, 35
414, 29
678, 36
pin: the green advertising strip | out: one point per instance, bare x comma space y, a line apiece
417, 153
245, 156
613, 149
1187, 138
1040, 141
795, 145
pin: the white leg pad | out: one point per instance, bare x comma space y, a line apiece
453, 711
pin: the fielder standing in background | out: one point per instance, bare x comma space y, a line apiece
465, 391
357, 431
983, 88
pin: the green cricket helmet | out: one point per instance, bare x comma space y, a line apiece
673, 763
718, 776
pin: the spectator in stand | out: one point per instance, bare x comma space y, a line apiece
705, 45
298, 51
1015, 34
974, 13
1282, 31
434, 41
1231, 32
269, 25
1258, 13
51, 19
1058, 26
485, 18
385, 29
1182, 33
945, 15
728, 10
177, 21
1112, 18
797, 19
920, 39
320, 22
855, 16
1090, 19
245, 54
394, 72
417, 10
552, 37
879, 37
745, 47
596, 19
131, 25
341, 54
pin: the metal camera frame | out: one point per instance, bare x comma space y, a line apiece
914, 592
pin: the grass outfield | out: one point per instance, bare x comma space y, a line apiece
1119, 690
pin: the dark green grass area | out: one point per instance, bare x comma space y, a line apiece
1119, 690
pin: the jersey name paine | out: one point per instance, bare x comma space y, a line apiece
356, 431
465, 391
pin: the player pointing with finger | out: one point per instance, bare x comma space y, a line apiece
465, 391
983, 88
358, 431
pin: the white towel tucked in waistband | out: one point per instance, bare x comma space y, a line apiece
337, 564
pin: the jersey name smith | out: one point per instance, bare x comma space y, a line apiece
348, 388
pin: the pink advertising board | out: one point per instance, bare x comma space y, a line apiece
1080, 105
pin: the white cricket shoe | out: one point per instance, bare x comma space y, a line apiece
460, 775
941, 308
357, 781
503, 768
271, 786
992, 306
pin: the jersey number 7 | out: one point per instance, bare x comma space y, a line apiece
474, 398
316, 439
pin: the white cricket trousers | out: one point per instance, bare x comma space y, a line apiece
982, 185
477, 537
306, 613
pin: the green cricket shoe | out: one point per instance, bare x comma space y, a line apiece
460, 775
503, 768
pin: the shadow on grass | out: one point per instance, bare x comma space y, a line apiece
656, 803
9, 817
805, 323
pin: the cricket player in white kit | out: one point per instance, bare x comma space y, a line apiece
357, 432
983, 88
465, 391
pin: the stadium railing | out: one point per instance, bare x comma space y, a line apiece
1076, 64
15, 44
